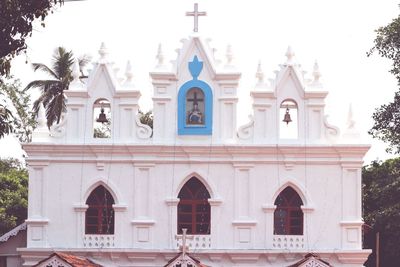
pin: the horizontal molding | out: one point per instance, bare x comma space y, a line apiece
33, 255
244, 222
143, 222
120, 207
80, 207
268, 208
215, 201
347, 155
37, 221
307, 208
172, 201
351, 223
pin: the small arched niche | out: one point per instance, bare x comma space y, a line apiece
195, 107
288, 120
102, 118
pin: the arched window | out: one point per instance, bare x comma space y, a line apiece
288, 216
99, 217
193, 208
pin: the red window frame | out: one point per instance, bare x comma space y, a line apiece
99, 217
288, 215
194, 211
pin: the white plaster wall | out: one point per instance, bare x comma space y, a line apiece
67, 185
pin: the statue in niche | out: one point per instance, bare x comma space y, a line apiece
195, 107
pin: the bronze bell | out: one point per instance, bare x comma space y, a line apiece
287, 118
102, 117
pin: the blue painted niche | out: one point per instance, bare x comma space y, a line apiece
185, 126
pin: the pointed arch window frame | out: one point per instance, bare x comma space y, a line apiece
195, 68
110, 208
194, 204
289, 209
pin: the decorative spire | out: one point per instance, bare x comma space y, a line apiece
289, 55
229, 57
103, 51
41, 117
76, 82
160, 57
41, 133
316, 73
350, 120
351, 133
128, 74
75, 70
259, 74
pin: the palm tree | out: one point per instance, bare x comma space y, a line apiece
52, 91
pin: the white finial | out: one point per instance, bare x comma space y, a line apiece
350, 120
160, 56
103, 51
214, 51
41, 133
128, 73
351, 133
316, 73
41, 117
259, 74
76, 70
116, 71
229, 57
289, 55
76, 82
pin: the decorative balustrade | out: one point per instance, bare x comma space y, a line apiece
194, 242
98, 241
288, 242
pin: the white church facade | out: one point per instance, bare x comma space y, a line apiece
249, 195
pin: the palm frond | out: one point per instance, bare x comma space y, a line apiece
62, 64
44, 68
52, 96
55, 108
43, 84
83, 61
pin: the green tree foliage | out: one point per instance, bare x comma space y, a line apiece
6, 119
381, 208
387, 117
103, 130
387, 44
13, 194
22, 120
16, 24
387, 124
52, 91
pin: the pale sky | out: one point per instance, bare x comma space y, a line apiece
335, 33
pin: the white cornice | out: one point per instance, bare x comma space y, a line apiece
234, 154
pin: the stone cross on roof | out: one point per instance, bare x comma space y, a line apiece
196, 15
184, 237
